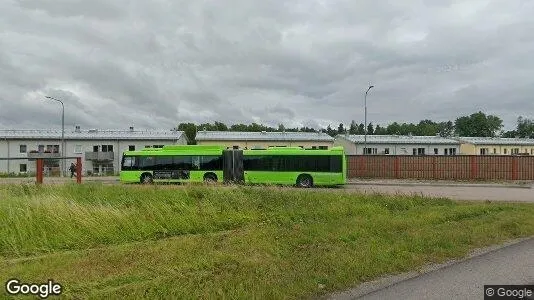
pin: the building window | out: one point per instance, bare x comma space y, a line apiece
23, 149
107, 169
52, 148
494, 150
131, 148
41, 148
147, 146
446, 151
158, 146
452, 151
436, 151
370, 150
235, 147
323, 147
505, 151
531, 151
386, 151
78, 149
96, 148
418, 151
314, 147
107, 148
301, 147
23, 168
484, 151
515, 151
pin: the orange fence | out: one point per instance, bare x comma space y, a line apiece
462, 167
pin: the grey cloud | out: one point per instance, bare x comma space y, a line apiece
304, 63
282, 111
99, 9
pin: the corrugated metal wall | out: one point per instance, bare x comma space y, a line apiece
461, 167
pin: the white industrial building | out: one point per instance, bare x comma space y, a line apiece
100, 150
263, 139
397, 145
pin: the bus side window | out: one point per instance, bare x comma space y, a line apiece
196, 163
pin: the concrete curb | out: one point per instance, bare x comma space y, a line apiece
367, 288
415, 184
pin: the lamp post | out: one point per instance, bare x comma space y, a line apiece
62, 134
365, 126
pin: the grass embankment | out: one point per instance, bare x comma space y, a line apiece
243, 242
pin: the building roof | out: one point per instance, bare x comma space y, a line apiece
399, 139
91, 134
496, 141
262, 136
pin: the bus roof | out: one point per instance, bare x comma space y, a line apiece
189, 149
217, 149
295, 150
193, 147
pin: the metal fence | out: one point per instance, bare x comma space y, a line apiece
27, 167
462, 167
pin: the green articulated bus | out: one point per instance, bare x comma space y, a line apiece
205, 163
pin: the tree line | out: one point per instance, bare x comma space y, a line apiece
475, 125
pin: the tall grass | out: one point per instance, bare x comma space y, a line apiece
234, 242
48, 218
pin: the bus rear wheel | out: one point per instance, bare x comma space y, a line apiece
210, 178
304, 181
146, 178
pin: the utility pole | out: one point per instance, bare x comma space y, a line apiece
365, 126
62, 134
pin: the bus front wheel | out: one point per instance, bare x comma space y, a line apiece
210, 178
304, 181
146, 178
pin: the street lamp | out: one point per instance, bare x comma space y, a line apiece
62, 134
365, 126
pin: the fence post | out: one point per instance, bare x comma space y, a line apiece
474, 169
397, 167
435, 167
78, 170
39, 164
363, 163
515, 167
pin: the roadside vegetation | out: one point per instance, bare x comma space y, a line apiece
233, 242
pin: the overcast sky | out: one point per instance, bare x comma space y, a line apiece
154, 64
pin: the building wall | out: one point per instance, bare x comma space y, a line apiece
396, 149
265, 144
470, 149
501, 149
13, 151
467, 149
3, 153
348, 146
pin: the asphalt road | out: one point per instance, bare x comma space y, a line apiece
456, 191
511, 265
